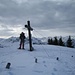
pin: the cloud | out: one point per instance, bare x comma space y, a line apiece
43, 14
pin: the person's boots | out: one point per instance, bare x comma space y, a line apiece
19, 47
23, 46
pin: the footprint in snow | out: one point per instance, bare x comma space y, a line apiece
54, 69
53, 74
45, 65
44, 62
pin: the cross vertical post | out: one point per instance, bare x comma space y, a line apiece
29, 33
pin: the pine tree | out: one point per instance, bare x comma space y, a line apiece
61, 43
69, 42
50, 41
55, 41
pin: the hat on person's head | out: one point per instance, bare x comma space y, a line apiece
22, 33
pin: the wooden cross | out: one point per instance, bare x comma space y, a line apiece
29, 33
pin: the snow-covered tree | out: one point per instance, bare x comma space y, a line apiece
50, 41
69, 42
61, 43
55, 42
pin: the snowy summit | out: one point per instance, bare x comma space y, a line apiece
51, 60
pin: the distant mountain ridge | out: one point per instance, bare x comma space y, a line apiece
35, 40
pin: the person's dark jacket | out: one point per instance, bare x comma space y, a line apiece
22, 36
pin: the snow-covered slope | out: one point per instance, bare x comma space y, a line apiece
23, 61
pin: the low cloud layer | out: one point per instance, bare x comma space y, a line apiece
44, 14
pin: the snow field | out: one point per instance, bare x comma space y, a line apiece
23, 61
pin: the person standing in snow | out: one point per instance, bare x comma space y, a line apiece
22, 40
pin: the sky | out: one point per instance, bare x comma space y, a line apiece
47, 17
